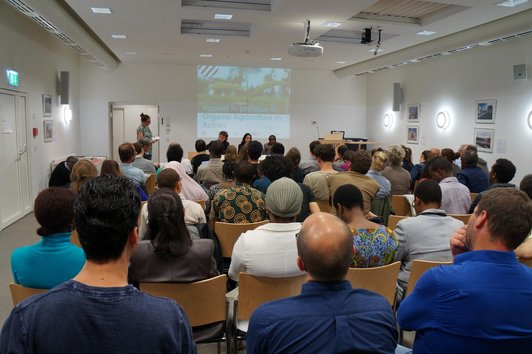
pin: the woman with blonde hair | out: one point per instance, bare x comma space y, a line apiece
378, 162
399, 177
230, 153
82, 172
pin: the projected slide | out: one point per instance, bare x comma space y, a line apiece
243, 100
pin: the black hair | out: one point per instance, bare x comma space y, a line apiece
313, 145
126, 151
254, 150
144, 117
440, 163
200, 145
174, 152
348, 196
105, 213
342, 149
138, 147
167, 230
275, 167
244, 172
469, 158
526, 185
277, 149
504, 170
361, 161
228, 168
428, 191
216, 148
325, 152
168, 178
53, 209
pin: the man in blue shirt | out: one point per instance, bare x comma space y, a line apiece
97, 311
472, 176
329, 316
481, 303
126, 151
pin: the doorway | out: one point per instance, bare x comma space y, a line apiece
15, 180
126, 120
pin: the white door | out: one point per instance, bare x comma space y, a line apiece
14, 166
118, 131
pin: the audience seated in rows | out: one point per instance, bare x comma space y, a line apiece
399, 178
360, 164
378, 161
82, 172
456, 197
270, 249
147, 166
98, 310
53, 260
317, 180
169, 179
425, 236
312, 164
240, 203
210, 173
329, 316
374, 245
60, 176
472, 176
502, 172
201, 155
481, 303
126, 152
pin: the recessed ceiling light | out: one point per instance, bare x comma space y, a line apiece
511, 3
119, 36
276, 59
426, 33
340, 62
332, 24
101, 10
373, 50
130, 53
212, 40
206, 55
223, 16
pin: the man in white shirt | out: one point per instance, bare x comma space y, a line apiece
456, 198
270, 250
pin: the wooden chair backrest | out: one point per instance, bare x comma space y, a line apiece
526, 261
382, 280
324, 206
20, 293
462, 217
473, 196
202, 203
228, 233
400, 205
191, 154
151, 182
74, 238
254, 291
416, 271
203, 301
394, 219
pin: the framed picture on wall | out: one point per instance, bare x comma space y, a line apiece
413, 112
484, 139
412, 134
48, 129
485, 111
46, 105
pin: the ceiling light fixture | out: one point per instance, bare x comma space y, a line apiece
442, 120
130, 53
101, 10
67, 114
388, 120
223, 16
511, 3
119, 36
206, 55
212, 40
426, 33
276, 59
530, 120
332, 24
341, 62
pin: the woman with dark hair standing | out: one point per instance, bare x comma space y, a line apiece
246, 139
53, 260
168, 254
144, 132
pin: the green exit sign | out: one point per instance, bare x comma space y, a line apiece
12, 77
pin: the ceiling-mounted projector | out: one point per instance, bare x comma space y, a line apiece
306, 49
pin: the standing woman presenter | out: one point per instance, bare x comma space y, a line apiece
144, 132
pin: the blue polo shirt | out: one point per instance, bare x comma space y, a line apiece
474, 178
480, 304
328, 317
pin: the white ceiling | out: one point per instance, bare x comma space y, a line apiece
153, 31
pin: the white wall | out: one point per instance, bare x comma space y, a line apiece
453, 83
39, 57
315, 96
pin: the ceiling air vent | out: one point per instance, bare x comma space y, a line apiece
221, 28
256, 5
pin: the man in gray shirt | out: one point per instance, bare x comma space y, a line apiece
147, 166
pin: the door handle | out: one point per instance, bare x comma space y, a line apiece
23, 151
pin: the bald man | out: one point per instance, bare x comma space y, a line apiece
329, 316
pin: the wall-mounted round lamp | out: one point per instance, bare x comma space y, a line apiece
443, 120
388, 120
530, 120
67, 114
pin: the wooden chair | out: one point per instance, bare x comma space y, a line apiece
20, 293
416, 271
526, 261
394, 219
151, 182
325, 206
191, 154
203, 301
74, 238
473, 196
462, 217
400, 205
382, 280
228, 233
202, 203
